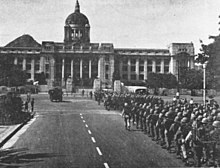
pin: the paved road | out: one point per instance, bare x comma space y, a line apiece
78, 133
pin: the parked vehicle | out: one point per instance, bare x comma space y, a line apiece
56, 94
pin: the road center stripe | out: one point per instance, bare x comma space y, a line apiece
98, 150
86, 126
106, 165
93, 139
89, 132
84, 121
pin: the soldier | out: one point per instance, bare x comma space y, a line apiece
195, 135
167, 123
174, 127
127, 116
32, 105
182, 132
215, 137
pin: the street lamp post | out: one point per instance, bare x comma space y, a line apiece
204, 82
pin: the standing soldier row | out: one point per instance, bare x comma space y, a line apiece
190, 130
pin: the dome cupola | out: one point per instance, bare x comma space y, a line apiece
77, 28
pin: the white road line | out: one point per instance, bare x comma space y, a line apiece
82, 117
98, 150
84, 121
93, 139
106, 165
86, 126
89, 132
80, 114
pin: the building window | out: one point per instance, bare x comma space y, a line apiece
141, 68
149, 69
28, 67
166, 62
133, 77
166, 69
133, 68
125, 61
125, 68
125, 76
106, 67
141, 62
141, 77
47, 67
133, 61
107, 59
37, 67
158, 69
106, 76
28, 75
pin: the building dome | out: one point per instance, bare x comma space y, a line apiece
77, 28
77, 18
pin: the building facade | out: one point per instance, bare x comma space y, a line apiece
79, 61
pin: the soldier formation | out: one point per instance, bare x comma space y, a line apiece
189, 129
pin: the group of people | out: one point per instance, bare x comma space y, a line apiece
192, 129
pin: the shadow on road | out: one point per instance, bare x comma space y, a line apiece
16, 158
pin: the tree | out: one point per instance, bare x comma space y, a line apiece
156, 81
191, 79
10, 74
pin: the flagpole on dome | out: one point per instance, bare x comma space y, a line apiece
77, 7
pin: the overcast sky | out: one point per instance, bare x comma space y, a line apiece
125, 23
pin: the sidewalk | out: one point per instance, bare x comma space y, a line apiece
6, 132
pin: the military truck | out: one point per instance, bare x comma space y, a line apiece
56, 94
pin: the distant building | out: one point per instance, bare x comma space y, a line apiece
82, 61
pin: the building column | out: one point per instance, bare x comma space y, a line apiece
42, 64
63, 72
81, 68
24, 64
63, 68
192, 63
52, 72
101, 68
74, 33
90, 68
162, 66
112, 67
137, 69
145, 69
71, 70
129, 69
32, 68
16, 61
120, 68
52, 69
154, 66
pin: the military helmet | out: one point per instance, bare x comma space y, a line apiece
216, 124
160, 115
199, 117
184, 120
176, 119
168, 114
205, 120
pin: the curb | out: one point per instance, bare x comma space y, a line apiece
13, 132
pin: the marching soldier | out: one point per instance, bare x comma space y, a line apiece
127, 116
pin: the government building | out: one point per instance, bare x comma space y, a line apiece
77, 61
